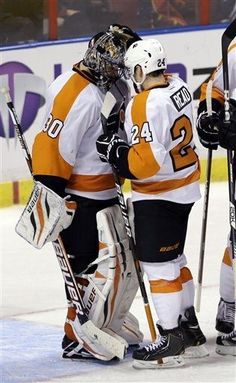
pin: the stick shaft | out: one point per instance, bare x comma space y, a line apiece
205, 205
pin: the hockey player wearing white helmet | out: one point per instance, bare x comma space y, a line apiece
161, 160
149, 55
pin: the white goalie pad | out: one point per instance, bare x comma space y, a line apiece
45, 216
99, 344
109, 292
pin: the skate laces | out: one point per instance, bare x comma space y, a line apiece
228, 336
154, 346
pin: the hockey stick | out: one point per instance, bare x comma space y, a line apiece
110, 103
91, 336
226, 39
205, 206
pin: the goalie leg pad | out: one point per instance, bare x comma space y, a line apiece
120, 321
77, 345
104, 288
108, 292
130, 330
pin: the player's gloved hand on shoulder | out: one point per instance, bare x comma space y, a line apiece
208, 129
227, 130
109, 147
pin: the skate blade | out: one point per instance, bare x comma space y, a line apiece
170, 362
226, 350
86, 358
196, 352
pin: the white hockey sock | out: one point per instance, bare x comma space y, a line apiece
166, 290
188, 290
167, 304
227, 278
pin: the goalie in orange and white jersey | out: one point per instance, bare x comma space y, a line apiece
66, 167
160, 159
212, 132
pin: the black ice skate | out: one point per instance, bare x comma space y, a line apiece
225, 317
194, 338
226, 344
73, 350
164, 353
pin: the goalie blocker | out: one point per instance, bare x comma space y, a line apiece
109, 290
45, 216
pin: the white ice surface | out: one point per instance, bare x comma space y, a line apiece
33, 309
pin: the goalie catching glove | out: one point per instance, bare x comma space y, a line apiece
45, 216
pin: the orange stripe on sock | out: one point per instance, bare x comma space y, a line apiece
185, 275
227, 258
102, 245
163, 286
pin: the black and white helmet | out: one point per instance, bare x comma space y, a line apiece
149, 54
104, 57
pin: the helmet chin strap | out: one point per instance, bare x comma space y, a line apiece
138, 84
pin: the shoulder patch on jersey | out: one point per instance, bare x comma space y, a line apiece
181, 98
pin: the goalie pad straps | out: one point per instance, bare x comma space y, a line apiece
45, 216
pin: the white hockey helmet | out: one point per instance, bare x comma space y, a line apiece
149, 54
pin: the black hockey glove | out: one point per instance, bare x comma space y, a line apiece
227, 130
208, 129
109, 147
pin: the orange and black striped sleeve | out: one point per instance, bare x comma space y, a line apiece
49, 166
137, 161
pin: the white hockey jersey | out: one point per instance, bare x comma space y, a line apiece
66, 147
163, 155
217, 78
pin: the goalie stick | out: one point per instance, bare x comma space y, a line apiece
228, 35
91, 335
111, 104
205, 206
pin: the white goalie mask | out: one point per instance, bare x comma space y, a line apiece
149, 54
